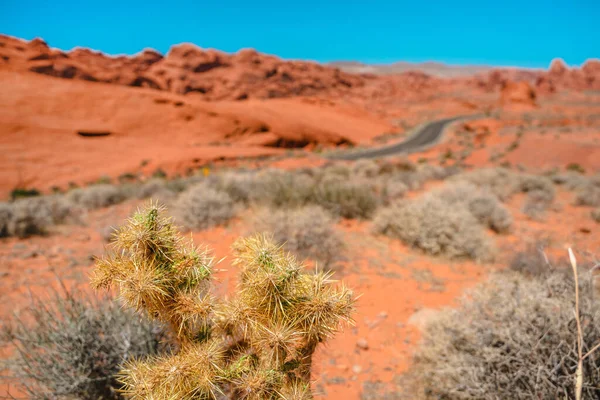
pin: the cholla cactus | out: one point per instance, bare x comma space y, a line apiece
257, 345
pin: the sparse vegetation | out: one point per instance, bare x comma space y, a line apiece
19, 193
307, 232
436, 227
201, 207
589, 195
346, 199
258, 345
97, 196
575, 168
512, 338
484, 206
72, 346
279, 188
596, 215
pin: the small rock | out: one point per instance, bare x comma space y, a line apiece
356, 369
362, 344
383, 314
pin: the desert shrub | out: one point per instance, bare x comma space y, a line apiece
256, 345
19, 193
347, 199
201, 207
279, 188
365, 168
596, 215
427, 172
484, 206
30, 216
572, 181
436, 227
239, 186
97, 196
72, 346
5, 218
589, 195
512, 338
540, 185
307, 232
500, 181
156, 189
536, 204
411, 179
336, 170
394, 189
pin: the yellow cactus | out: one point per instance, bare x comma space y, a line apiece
256, 345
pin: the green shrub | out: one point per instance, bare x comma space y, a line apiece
307, 232
19, 193
436, 227
512, 338
575, 168
72, 346
201, 207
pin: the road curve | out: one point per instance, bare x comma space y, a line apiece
425, 136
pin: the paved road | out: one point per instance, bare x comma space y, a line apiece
427, 135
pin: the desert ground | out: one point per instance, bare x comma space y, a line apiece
99, 136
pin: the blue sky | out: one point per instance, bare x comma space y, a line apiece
517, 33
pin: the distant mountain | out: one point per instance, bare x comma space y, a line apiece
430, 68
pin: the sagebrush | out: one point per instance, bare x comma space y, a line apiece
73, 345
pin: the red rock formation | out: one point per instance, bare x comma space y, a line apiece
186, 68
517, 96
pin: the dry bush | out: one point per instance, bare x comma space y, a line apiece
257, 345
347, 199
484, 206
536, 204
542, 187
97, 196
365, 168
500, 181
239, 186
512, 338
589, 195
278, 188
596, 215
72, 346
570, 180
394, 189
201, 207
34, 215
307, 232
6, 213
156, 189
30, 216
436, 227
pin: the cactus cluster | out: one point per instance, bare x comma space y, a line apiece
256, 345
